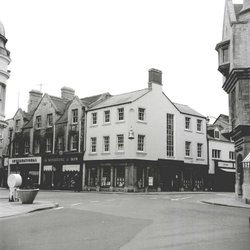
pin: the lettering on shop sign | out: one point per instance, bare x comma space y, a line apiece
24, 160
63, 159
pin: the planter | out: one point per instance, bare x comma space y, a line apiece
27, 196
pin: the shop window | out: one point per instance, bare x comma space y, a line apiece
225, 55
105, 181
120, 177
93, 177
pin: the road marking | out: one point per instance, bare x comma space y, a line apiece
76, 204
181, 198
58, 208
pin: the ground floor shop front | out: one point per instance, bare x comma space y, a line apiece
62, 171
141, 176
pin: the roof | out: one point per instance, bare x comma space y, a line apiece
87, 101
121, 99
59, 103
185, 109
238, 8
247, 159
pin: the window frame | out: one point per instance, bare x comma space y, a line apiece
75, 116
199, 150
120, 114
141, 142
93, 144
120, 144
49, 120
216, 153
141, 114
26, 147
106, 144
188, 148
38, 123
94, 118
48, 145
170, 137
199, 125
73, 142
106, 114
187, 122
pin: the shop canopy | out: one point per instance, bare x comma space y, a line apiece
246, 161
71, 168
229, 170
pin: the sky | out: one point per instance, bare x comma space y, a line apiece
97, 46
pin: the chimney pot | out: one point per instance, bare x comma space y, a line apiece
154, 76
67, 93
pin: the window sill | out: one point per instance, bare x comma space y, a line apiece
106, 123
188, 157
142, 122
105, 153
200, 132
122, 121
188, 130
141, 152
92, 154
119, 152
93, 125
200, 159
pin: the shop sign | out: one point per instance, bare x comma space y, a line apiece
225, 164
28, 160
63, 159
150, 181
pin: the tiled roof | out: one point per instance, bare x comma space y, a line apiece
121, 99
185, 109
59, 103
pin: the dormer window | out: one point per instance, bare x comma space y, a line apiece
216, 134
224, 56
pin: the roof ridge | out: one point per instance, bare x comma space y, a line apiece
131, 92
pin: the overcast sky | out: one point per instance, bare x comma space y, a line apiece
96, 46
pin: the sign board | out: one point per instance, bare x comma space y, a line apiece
26, 160
150, 181
222, 164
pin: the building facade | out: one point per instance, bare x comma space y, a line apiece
4, 76
234, 64
141, 141
47, 142
221, 156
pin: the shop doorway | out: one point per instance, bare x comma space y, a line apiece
240, 174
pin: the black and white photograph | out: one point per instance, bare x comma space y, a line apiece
125, 125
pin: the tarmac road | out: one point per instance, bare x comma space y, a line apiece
128, 221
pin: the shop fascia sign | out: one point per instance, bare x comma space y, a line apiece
28, 160
225, 164
63, 159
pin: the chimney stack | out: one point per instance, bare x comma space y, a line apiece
154, 77
67, 93
34, 99
246, 4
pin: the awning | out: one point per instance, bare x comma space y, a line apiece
70, 168
247, 159
229, 170
47, 168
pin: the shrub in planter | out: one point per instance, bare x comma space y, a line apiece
27, 196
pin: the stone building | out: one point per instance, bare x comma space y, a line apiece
47, 142
234, 64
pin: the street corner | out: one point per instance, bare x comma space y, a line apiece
9, 209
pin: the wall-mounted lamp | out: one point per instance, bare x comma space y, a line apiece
131, 134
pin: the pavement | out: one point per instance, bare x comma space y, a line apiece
8, 209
